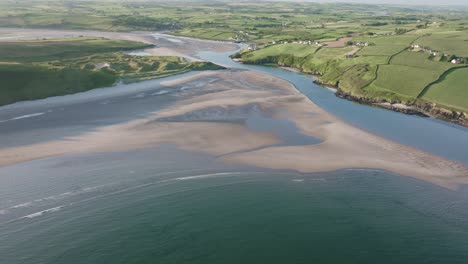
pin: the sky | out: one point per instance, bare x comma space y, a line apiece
400, 2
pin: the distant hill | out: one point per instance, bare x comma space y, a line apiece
395, 2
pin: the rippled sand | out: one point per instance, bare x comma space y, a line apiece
210, 118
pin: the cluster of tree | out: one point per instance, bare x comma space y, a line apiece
376, 24
400, 31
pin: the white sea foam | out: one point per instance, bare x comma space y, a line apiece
3, 212
206, 176
160, 92
40, 213
298, 180
22, 117
27, 204
26, 116
58, 196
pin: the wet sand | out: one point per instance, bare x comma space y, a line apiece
210, 117
213, 122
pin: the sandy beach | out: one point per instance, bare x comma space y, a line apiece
211, 118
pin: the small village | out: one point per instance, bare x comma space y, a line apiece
437, 55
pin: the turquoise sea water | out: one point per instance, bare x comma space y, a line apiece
155, 211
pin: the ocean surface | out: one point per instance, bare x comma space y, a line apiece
128, 208
164, 205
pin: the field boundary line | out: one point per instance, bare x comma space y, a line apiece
401, 51
440, 79
389, 61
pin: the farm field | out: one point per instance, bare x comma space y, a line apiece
55, 49
35, 69
452, 42
375, 64
384, 45
297, 50
409, 73
403, 80
451, 91
223, 20
385, 69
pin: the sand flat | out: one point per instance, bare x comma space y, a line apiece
343, 146
209, 118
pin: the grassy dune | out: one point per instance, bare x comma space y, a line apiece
60, 49
28, 82
42, 68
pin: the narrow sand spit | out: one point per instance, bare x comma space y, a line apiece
212, 122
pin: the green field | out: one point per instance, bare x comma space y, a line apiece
61, 49
403, 80
226, 20
452, 90
381, 68
297, 50
409, 73
42, 68
385, 45
451, 42
28, 82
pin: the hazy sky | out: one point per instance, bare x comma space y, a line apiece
399, 2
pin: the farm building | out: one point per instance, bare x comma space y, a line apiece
253, 47
102, 65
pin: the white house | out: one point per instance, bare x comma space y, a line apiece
252, 47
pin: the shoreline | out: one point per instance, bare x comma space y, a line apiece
211, 112
147, 38
203, 120
422, 109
